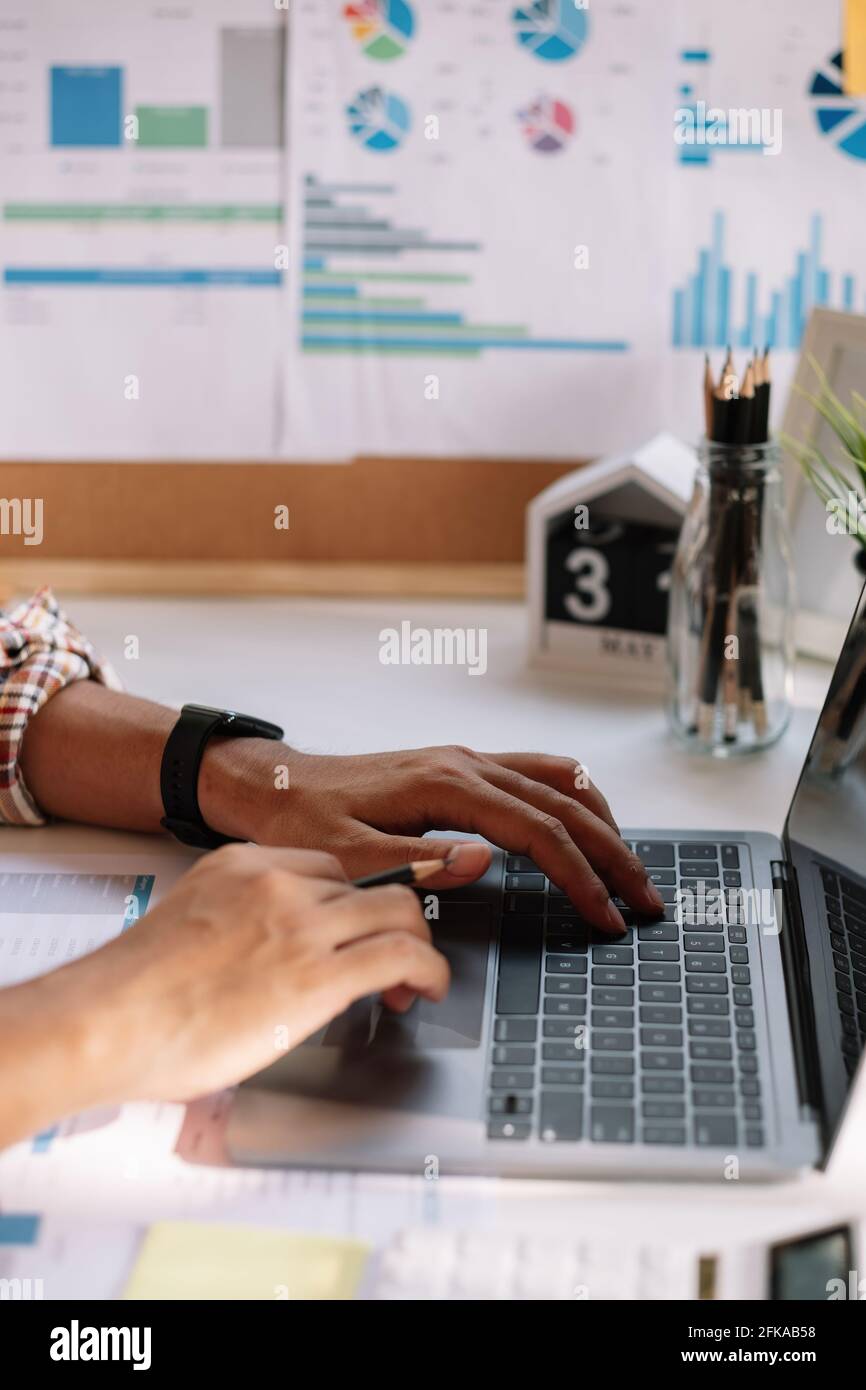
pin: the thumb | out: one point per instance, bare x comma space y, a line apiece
465, 860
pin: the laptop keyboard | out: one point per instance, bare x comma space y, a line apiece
845, 901
646, 1039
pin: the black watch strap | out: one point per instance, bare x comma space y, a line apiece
181, 760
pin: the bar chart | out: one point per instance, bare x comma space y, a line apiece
366, 282
88, 112
716, 306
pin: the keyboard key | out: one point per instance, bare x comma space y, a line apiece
657, 951
662, 878
750, 1087
710, 1051
702, 941
746, 1041
517, 864
752, 1112
711, 1131
662, 1085
561, 984
611, 1090
562, 1076
662, 931
658, 973
660, 994
507, 1080
737, 935
510, 1105
515, 1030
565, 965
613, 1042
663, 1110
563, 1028
612, 998
661, 1037
754, 1137
612, 976
698, 869
748, 1065
656, 856
524, 902
561, 1116
743, 997
741, 975
731, 880
709, 1028
705, 965
730, 857
508, 1129
664, 1134
853, 890
739, 955
519, 969
612, 1124
559, 907
662, 1061
697, 1004
512, 1055
659, 1013
612, 1018
611, 1066
706, 984
712, 1076
560, 1052
559, 1008
698, 851
612, 955
528, 883
713, 1099
565, 944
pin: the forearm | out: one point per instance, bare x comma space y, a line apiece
60, 1055
94, 755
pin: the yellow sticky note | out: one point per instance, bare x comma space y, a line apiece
854, 48
192, 1260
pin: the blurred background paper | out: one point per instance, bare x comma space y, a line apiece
198, 1260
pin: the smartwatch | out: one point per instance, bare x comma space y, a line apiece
181, 760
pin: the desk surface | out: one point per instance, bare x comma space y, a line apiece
313, 666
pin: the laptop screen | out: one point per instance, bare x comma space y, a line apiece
828, 811
825, 841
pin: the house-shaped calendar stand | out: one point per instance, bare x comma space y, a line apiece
600, 543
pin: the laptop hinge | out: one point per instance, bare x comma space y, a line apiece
798, 986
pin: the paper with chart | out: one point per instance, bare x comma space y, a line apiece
474, 268
141, 208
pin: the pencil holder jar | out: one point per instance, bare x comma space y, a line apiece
731, 605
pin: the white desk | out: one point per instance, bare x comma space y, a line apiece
313, 666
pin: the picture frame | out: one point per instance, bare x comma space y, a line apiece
828, 581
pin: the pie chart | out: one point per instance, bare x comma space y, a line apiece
840, 117
547, 124
383, 28
552, 30
378, 119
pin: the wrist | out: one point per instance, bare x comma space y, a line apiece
237, 782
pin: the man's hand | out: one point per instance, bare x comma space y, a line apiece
371, 811
251, 952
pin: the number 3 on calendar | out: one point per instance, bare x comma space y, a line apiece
591, 601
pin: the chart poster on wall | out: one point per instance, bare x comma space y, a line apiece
766, 194
141, 202
475, 269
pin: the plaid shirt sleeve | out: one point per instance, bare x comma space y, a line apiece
40, 653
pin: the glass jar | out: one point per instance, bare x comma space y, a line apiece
731, 610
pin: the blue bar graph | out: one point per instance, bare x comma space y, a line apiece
703, 312
86, 106
40, 275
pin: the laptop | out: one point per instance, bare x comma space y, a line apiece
722, 1040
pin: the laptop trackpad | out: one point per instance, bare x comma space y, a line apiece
462, 934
